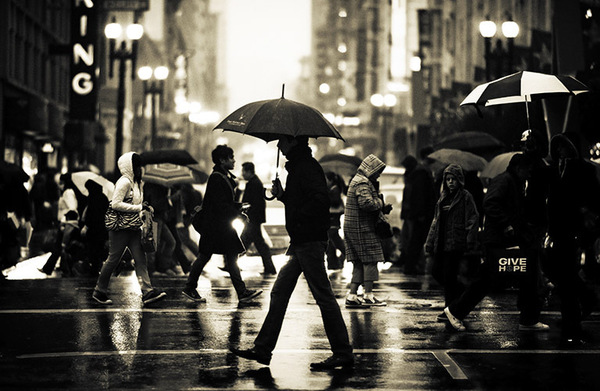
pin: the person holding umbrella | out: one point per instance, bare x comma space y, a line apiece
307, 221
217, 235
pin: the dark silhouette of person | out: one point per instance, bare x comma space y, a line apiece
95, 235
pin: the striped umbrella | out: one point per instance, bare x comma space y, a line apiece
167, 174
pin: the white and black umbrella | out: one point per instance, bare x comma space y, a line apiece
523, 86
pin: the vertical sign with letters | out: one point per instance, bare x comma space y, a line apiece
84, 60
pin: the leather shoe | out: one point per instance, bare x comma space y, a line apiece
251, 354
333, 362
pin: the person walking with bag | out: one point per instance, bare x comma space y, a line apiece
307, 221
125, 232
364, 207
453, 232
217, 235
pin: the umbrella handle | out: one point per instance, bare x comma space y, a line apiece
276, 176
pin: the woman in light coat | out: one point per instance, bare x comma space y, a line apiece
364, 207
127, 198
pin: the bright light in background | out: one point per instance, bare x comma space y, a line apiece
324, 88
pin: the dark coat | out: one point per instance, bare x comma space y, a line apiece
217, 235
503, 206
93, 217
305, 198
254, 195
418, 197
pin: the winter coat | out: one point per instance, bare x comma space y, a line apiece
254, 195
461, 222
418, 196
363, 207
217, 236
574, 195
503, 206
125, 188
93, 216
305, 198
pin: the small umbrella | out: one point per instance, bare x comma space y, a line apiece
81, 177
345, 165
173, 156
167, 174
470, 141
497, 165
523, 86
467, 160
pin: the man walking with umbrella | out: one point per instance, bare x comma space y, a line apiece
307, 221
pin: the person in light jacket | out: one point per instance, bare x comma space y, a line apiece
453, 232
127, 197
364, 206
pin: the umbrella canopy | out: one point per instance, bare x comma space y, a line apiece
344, 165
200, 175
470, 141
497, 165
467, 160
167, 174
173, 156
10, 172
81, 177
271, 119
523, 86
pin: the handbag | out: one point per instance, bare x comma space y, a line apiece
197, 218
115, 220
507, 261
383, 229
148, 229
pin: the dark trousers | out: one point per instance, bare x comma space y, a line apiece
50, 264
563, 271
307, 258
417, 230
335, 243
232, 268
97, 250
253, 234
528, 302
446, 266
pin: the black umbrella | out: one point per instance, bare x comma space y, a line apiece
345, 165
475, 142
174, 156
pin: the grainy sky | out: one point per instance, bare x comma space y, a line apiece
265, 41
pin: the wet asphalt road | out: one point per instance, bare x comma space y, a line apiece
54, 337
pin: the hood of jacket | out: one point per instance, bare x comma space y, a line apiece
125, 164
562, 140
457, 171
370, 166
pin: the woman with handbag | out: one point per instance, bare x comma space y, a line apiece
453, 232
364, 209
123, 221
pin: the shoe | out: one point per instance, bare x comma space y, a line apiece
572, 343
251, 354
454, 321
224, 268
101, 297
269, 273
374, 302
249, 295
354, 303
193, 295
441, 317
153, 296
333, 362
539, 326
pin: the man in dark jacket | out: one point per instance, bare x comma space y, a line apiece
94, 231
254, 196
307, 221
505, 226
217, 235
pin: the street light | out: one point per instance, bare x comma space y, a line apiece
510, 30
113, 31
384, 104
153, 88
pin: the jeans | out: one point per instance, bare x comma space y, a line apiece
335, 243
307, 258
445, 271
528, 302
117, 242
253, 234
232, 268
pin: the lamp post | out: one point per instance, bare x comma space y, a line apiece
384, 104
498, 57
155, 89
114, 31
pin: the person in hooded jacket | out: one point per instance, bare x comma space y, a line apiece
217, 235
504, 226
364, 206
453, 232
128, 198
573, 210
